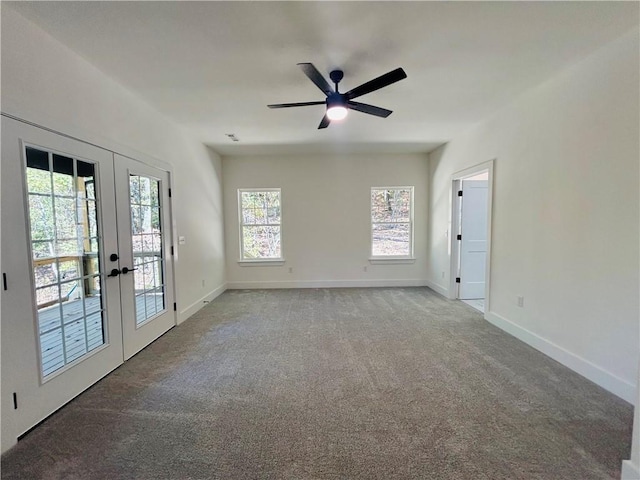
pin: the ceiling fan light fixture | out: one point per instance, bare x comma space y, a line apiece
339, 104
337, 113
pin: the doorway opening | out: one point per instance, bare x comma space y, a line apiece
471, 235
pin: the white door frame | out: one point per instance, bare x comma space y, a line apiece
455, 227
16, 216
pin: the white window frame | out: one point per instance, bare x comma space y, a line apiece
387, 259
258, 261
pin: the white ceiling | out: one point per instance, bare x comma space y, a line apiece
214, 66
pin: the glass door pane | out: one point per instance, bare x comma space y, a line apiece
65, 239
146, 239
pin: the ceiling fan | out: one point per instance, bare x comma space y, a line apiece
338, 104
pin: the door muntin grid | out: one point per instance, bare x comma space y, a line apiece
148, 252
65, 245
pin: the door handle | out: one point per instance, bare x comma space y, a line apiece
114, 273
126, 270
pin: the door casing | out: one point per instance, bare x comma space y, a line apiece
455, 227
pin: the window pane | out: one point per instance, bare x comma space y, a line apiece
63, 224
254, 207
65, 209
155, 219
154, 194
273, 215
273, 199
134, 189
41, 216
68, 268
391, 205
62, 183
145, 219
45, 274
38, 181
391, 239
42, 249
146, 222
261, 242
92, 222
90, 189
47, 296
145, 190
63, 176
67, 248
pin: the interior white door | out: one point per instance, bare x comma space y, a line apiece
146, 278
473, 246
61, 316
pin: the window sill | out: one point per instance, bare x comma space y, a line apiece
262, 262
391, 260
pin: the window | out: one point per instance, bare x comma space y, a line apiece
392, 222
260, 224
146, 240
65, 252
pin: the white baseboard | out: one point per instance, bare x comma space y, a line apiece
410, 282
438, 288
597, 375
194, 307
630, 471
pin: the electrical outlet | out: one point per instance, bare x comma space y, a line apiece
364, 269
290, 269
442, 274
520, 301
203, 282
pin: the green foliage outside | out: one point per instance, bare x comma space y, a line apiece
261, 218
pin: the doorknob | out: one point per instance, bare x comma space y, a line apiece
114, 273
113, 257
126, 270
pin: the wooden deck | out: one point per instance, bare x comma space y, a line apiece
81, 334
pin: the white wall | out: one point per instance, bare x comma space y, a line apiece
46, 83
565, 214
631, 467
326, 218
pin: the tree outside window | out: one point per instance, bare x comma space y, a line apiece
260, 224
391, 222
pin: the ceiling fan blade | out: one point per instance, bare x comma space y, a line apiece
299, 104
370, 109
377, 83
324, 123
316, 77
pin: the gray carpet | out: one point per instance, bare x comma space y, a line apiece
389, 383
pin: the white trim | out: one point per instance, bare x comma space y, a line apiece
455, 228
196, 306
262, 262
410, 282
391, 260
596, 374
89, 138
629, 471
438, 288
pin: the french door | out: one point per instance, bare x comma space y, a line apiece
146, 277
87, 280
